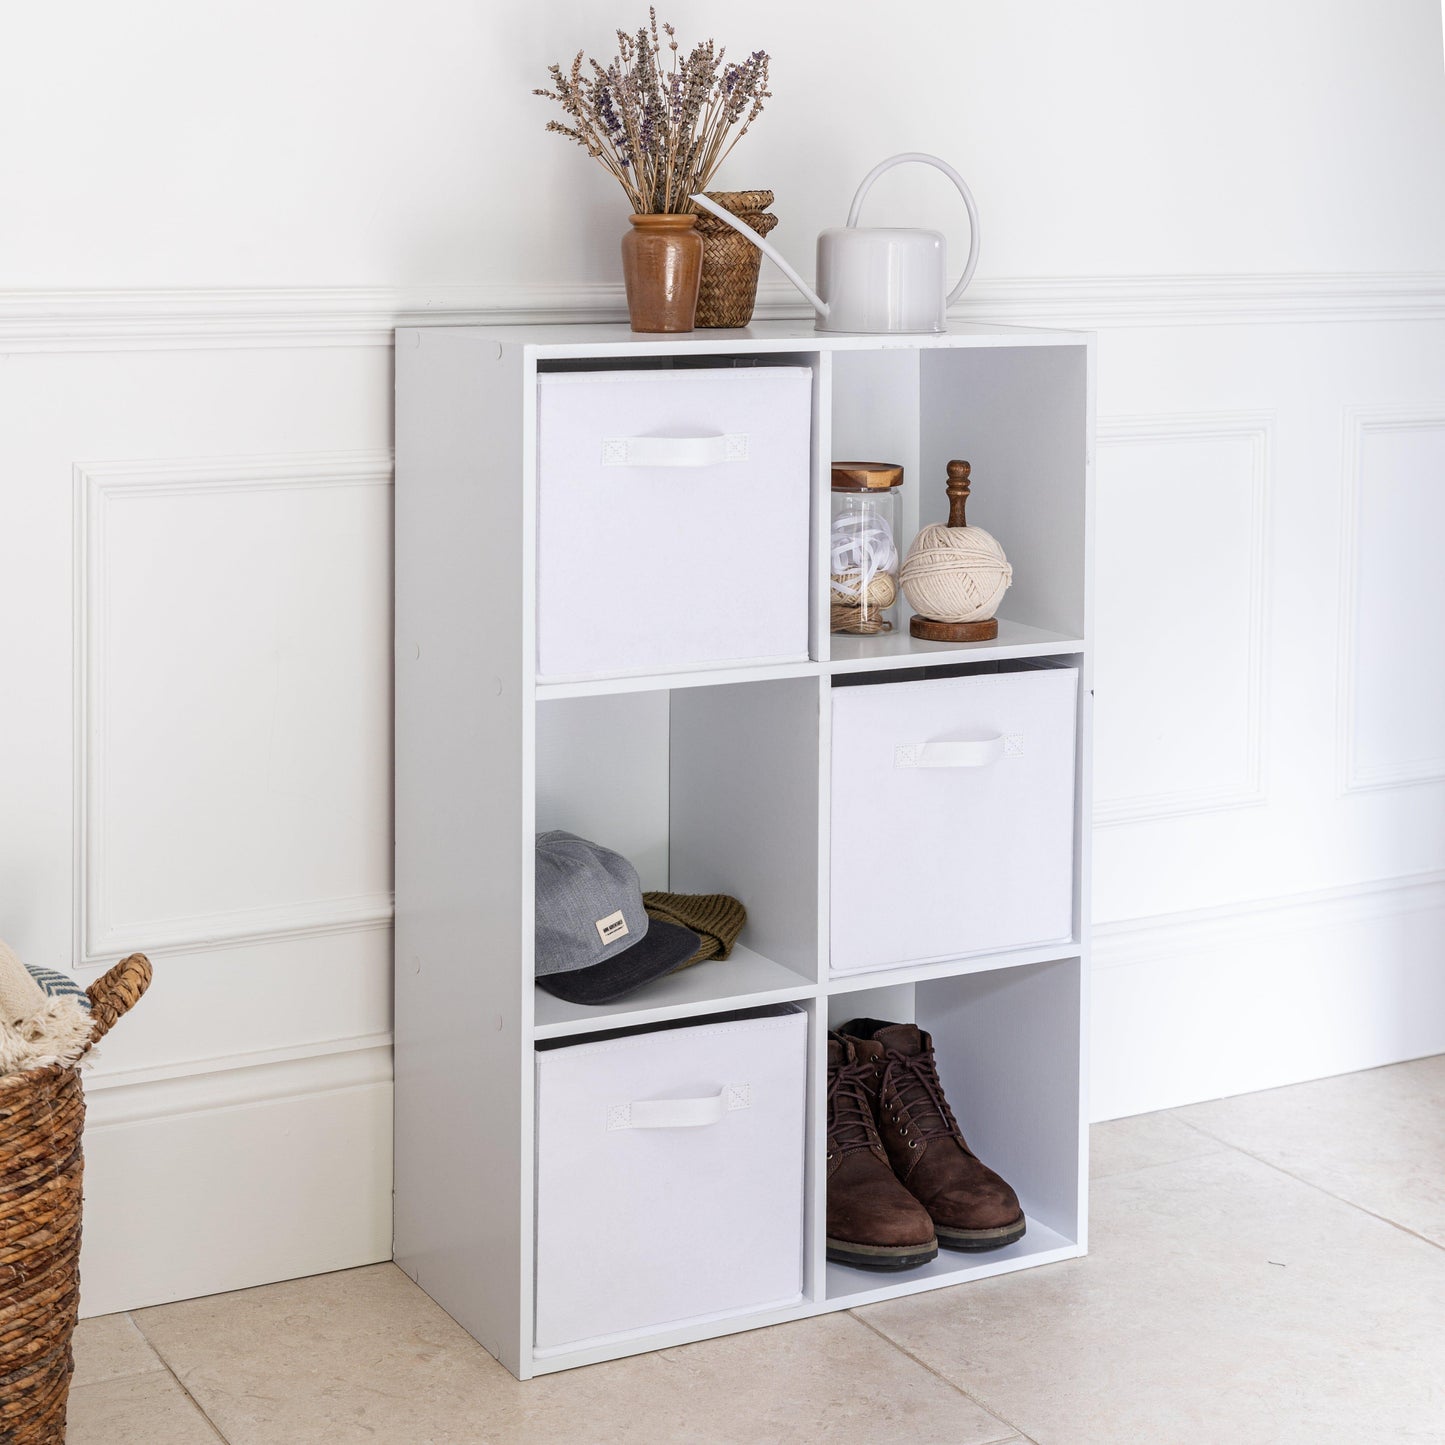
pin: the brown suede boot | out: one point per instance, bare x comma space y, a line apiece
971, 1207
873, 1221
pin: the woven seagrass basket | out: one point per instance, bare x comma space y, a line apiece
42, 1112
729, 287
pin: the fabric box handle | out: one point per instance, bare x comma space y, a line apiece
711, 451
963, 753
679, 1113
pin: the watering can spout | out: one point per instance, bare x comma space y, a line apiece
771, 252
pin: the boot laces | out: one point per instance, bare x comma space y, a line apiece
850, 1113
920, 1095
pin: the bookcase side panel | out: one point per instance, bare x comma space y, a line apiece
463, 819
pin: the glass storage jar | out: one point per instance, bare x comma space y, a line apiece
863, 547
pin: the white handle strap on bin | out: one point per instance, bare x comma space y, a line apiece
674, 451
968, 753
679, 1113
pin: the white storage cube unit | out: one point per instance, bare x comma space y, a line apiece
672, 525
609, 620
953, 817
669, 1177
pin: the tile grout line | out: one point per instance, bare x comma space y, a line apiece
154, 1369
1310, 1184
180, 1383
201, 1409
943, 1379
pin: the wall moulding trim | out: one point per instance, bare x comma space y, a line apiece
137, 318
1256, 429
99, 938
1351, 775
1100, 302
1164, 938
203, 932
133, 1096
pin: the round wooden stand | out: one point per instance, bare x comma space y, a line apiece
931, 631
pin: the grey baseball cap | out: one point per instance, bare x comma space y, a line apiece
595, 942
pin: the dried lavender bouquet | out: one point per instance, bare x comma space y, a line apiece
662, 123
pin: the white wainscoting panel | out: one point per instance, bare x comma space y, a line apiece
253, 1169
1391, 725
1269, 991
233, 699
1182, 547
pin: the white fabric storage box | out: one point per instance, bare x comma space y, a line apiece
672, 523
952, 817
669, 1176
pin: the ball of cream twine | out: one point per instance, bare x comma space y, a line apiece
955, 574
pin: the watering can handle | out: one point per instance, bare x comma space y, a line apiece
963, 191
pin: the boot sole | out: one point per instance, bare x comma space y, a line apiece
881, 1256
975, 1239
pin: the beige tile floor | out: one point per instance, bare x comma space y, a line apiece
1264, 1269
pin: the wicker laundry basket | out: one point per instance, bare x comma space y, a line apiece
729, 286
42, 1112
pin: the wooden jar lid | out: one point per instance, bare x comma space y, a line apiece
866, 476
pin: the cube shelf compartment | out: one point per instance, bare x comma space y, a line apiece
1008, 1046
705, 790
710, 778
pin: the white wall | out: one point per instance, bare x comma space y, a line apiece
218, 212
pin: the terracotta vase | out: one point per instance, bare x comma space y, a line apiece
662, 268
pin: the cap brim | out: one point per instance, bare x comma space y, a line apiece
658, 951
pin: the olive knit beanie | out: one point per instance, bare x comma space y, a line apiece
716, 918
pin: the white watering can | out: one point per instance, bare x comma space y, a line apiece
877, 279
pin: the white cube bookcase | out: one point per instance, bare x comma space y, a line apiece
713, 778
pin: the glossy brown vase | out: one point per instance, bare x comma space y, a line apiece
662, 269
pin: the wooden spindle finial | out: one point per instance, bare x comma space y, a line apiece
958, 490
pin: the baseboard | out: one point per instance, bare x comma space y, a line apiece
228, 1173
1222, 1001
137, 318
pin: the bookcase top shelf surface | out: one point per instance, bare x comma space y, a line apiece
615, 338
